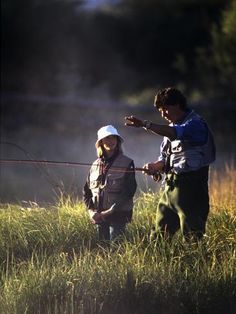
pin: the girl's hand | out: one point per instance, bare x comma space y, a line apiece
106, 213
95, 217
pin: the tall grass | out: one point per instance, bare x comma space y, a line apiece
223, 189
52, 261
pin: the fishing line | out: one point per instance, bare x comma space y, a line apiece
39, 166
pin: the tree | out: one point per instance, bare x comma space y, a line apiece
216, 64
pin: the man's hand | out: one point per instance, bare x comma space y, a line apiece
133, 121
152, 168
149, 169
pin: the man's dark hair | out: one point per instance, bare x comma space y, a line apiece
170, 96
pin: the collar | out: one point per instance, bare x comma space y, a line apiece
185, 117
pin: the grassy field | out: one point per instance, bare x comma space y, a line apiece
51, 261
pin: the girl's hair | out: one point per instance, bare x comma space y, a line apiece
101, 151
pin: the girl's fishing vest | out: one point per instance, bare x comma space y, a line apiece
105, 195
184, 157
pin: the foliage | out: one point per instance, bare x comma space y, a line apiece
216, 63
58, 47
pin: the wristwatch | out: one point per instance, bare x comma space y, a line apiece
147, 124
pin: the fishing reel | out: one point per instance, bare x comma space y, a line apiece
157, 176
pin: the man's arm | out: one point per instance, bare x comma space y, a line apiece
164, 130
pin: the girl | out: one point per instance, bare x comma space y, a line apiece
110, 186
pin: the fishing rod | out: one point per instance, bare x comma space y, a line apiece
54, 182
39, 163
65, 163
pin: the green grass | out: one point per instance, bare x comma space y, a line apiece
52, 262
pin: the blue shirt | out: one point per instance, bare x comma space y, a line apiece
194, 131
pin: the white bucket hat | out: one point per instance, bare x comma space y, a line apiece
107, 131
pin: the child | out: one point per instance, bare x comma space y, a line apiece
110, 186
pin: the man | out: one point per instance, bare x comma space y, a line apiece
186, 152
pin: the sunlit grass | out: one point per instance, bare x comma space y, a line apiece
52, 262
223, 189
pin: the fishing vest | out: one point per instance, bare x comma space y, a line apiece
184, 157
105, 195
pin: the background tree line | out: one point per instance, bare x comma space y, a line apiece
56, 46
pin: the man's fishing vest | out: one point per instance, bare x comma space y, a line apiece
184, 157
105, 195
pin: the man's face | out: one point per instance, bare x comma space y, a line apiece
170, 113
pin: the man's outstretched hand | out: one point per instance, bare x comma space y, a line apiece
132, 121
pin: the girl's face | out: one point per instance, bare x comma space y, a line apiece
109, 143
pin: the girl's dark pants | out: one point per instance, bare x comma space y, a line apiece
107, 231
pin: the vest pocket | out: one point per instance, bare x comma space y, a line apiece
94, 184
176, 146
95, 180
112, 198
114, 183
